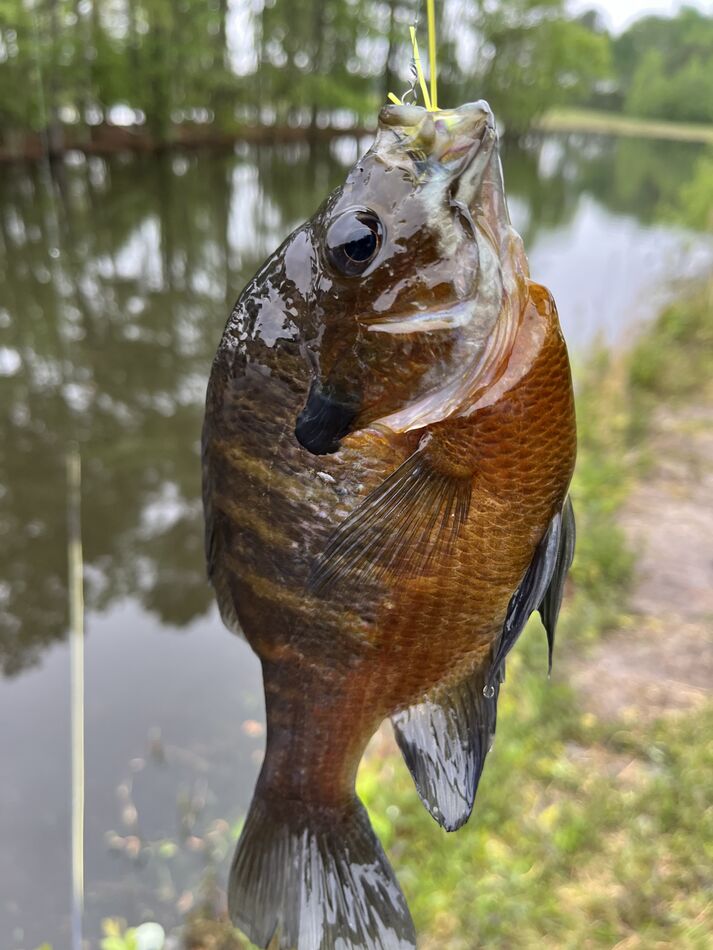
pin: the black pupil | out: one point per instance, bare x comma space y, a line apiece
361, 244
353, 241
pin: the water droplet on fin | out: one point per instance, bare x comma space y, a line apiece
488, 691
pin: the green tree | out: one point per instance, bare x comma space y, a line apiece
694, 203
665, 67
531, 57
310, 60
20, 91
685, 95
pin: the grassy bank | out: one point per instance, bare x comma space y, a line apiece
585, 832
610, 123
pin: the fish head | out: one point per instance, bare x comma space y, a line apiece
414, 260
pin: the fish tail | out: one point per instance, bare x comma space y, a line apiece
309, 877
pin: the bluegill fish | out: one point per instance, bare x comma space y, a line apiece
389, 438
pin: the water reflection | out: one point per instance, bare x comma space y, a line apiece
117, 278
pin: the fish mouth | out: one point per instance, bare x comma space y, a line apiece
324, 421
443, 144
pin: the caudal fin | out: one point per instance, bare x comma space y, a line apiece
312, 878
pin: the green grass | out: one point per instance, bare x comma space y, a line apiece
611, 123
584, 833
674, 361
580, 836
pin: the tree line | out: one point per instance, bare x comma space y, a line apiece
164, 65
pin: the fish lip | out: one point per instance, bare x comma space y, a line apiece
413, 116
448, 139
479, 153
324, 421
474, 120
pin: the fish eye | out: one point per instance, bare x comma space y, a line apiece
353, 241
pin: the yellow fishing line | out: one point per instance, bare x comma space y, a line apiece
430, 101
419, 70
431, 7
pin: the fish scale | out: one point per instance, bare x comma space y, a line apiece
378, 477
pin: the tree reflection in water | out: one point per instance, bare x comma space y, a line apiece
117, 279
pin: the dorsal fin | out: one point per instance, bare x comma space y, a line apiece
528, 596
550, 606
445, 739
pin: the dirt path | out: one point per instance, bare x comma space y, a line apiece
662, 661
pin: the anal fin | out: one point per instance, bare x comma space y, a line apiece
444, 741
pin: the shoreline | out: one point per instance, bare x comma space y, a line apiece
110, 140
595, 122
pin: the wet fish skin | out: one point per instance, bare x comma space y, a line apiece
473, 407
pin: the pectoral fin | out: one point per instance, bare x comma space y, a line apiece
414, 516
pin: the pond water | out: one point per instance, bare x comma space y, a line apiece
117, 277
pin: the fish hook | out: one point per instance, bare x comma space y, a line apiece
411, 91
413, 69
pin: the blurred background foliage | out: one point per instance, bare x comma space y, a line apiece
169, 69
